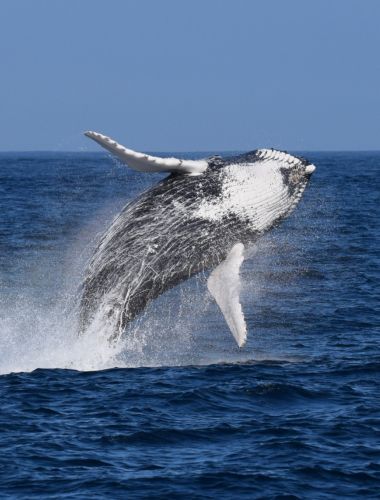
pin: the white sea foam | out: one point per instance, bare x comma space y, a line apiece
39, 330
35, 335
182, 327
191, 332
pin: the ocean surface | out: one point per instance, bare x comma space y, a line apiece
176, 410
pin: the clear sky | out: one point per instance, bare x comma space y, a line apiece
187, 75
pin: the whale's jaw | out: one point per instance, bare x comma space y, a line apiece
260, 188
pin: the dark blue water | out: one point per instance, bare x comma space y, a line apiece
295, 414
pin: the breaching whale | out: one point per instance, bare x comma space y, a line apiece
199, 218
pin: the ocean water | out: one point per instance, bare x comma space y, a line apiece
176, 409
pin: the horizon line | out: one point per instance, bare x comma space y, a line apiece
93, 151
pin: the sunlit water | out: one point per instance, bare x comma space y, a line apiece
187, 413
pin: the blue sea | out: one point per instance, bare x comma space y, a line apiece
176, 410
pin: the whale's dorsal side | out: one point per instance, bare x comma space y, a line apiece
146, 163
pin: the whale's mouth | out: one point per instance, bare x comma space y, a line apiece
296, 177
299, 192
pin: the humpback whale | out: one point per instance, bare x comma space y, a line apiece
201, 217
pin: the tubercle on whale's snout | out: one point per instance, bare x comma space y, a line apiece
310, 169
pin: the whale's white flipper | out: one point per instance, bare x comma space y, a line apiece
224, 285
146, 163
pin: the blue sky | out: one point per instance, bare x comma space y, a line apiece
176, 75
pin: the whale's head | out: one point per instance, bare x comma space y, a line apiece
258, 188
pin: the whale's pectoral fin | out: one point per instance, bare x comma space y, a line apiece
147, 163
224, 285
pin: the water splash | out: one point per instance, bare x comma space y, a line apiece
39, 323
36, 335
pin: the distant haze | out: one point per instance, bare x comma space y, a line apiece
195, 75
